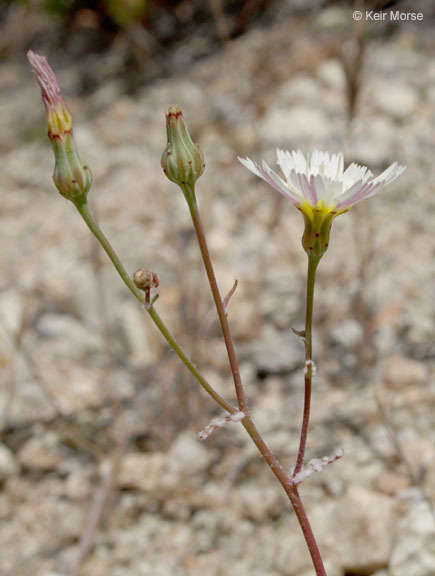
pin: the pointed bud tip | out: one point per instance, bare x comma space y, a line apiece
46, 79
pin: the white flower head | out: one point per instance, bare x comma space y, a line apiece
321, 189
319, 179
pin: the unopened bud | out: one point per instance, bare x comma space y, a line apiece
182, 160
71, 175
145, 280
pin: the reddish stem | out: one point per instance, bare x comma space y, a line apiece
220, 308
286, 482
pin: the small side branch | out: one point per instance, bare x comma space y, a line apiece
220, 422
315, 465
228, 297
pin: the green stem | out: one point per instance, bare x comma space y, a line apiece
86, 214
313, 262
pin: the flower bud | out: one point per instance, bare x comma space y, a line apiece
71, 175
145, 280
182, 160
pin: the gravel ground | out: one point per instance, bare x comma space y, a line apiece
94, 407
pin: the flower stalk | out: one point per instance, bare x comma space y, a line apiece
307, 334
320, 188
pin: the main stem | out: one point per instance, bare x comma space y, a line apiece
87, 216
309, 366
196, 219
292, 492
286, 482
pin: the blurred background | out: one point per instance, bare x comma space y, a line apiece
101, 469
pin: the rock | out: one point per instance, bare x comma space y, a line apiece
269, 413
141, 471
206, 525
71, 519
348, 334
140, 337
145, 568
187, 458
290, 556
419, 452
374, 147
88, 290
70, 338
431, 95
429, 481
414, 550
282, 127
391, 483
401, 372
357, 531
332, 18
41, 453
8, 464
258, 503
395, 99
12, 311
79, 483
277, 352
246, 321
87, 389
301, 88
331, 569
280, 301
331, 73
286, 560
